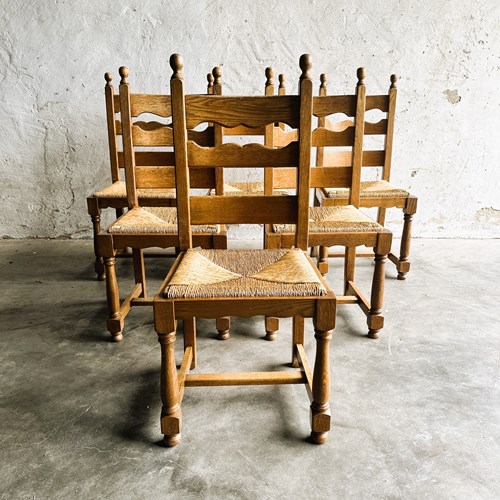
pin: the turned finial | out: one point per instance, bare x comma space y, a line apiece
108, 78
361, 73
217, 72
210, 80
282, 80
394, 79
176, 63
124, 74
323, 78
305, 64
269, 76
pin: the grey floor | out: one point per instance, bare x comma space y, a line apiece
415, 414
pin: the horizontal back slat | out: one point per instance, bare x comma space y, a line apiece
329, 105
150, 158
380, 102
378, 128
235, 209
242, 130
324, 137
344, 158
227, 111
160, 136
155, 104
249, 155
286, 178
282, 138
164, 177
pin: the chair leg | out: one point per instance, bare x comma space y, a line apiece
115, 321
381, 215
171, 416
349, 266
95, 215
298, 338
403, 265
272, 327
223, 325
139, 272
323, 260
320, 408
375, 318
190, 338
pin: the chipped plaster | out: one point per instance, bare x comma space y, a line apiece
53, 56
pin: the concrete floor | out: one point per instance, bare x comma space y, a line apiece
415, 414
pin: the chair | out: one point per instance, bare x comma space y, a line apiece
212, 283
115, 194
153, 225
341, 225
379, 193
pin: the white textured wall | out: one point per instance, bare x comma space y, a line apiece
53, 55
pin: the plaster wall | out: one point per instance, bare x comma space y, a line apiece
53, 55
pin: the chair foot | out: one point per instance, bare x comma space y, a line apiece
171, 441
99, 269
272, 327
402, 276
373, 334
319, 437
222, 325
117, 336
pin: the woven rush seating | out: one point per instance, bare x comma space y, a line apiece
242, 283
246, 189
369, 189
119, 190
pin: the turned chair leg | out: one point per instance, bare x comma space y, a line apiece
320, 408
171, 416
404, 252
375, 318
323, 260
115, 321
349, 266
99, 261
272, 327
223, 325
139, 271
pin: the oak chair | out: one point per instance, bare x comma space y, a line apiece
341, 225
214, 283
379, 193
153, 225
115, 194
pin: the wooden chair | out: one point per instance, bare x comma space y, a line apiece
115, 194
211, 283
379, 193
341, 225
153, 225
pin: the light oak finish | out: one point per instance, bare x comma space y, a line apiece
348, 175
377, 158
238, 112
152, 170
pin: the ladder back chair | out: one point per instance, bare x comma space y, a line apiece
213, 283
342, 225
379, 193
149, 165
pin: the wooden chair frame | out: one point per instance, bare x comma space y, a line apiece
376, 158
148, 169
225, 209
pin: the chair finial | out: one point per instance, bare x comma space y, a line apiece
305, 64
269, 76
210, 80
361, 73
323, 78
217, 72
108, 77
282, 79
394, 79
176, 63
124, 74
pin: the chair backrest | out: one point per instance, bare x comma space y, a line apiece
189, 111
384, 128
146, 155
